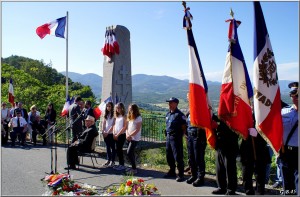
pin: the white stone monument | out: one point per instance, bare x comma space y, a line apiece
117, 81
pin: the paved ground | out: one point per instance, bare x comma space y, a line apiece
23, 167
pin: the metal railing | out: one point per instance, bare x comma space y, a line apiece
153, 127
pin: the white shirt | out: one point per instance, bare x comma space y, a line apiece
119, 124
5, 114
132, 127
14, 121
109, 122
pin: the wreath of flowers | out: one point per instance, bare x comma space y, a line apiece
133, 186
63, 185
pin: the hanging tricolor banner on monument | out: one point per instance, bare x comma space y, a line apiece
111, 46
200, 108
236, 89
267, 101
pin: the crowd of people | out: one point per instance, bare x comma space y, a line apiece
20, 125
119, 127
254, 152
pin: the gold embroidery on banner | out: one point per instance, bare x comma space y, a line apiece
267, 68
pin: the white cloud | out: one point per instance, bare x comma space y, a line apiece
288, 71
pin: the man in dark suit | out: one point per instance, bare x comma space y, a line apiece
83, 144
24, 113
88, 111
76, 124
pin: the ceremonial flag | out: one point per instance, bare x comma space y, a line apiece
67, 104
267, 101
11, 95
101, 108
56, 28
200, 109
236, 90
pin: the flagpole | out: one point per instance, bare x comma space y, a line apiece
67, 77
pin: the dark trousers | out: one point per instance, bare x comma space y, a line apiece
34, 136
72, 156
196, 153
16, 131
130, 153
110, 147
5, 137
254, 164
226, 170
174, 150
289, 163
120, 143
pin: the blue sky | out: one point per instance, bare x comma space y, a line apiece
158, 41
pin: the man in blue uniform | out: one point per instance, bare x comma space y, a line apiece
289, 152
175, 128
196, 152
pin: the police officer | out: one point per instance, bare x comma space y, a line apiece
289, 152
196, 151
227, 149
175, 128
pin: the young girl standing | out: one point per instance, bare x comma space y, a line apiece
133, 134
119, 135
107, 131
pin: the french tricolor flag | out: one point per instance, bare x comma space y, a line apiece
236, 90
101, 108
11, 95
67, 104
56, 28
267, 101
200, 108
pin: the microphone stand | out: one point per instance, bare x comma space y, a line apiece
51, 152
68, 128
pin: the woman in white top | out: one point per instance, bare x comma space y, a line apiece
107, 131
133, 134
119, 135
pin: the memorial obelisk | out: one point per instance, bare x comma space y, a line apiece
117, 81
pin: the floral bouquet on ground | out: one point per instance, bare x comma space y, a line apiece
132, 186
63, 185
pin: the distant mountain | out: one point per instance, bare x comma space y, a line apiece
90, 79
151, 91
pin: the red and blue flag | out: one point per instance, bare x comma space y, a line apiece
56, 28
200, 108
236, 90
267, 101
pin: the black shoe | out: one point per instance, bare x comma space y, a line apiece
230, 193
180, 179
191, 180
219, 191
70, 168
170, 175
250, 192
198, 182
